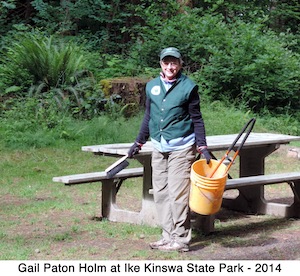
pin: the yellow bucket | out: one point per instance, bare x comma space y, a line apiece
206, 192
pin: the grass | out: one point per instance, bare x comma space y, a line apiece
45, 220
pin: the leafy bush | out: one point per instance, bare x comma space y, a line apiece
52, 62
48, 67
256, 68
241, 61
101, 22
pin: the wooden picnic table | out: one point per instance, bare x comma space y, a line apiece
251, 163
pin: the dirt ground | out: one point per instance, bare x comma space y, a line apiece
246, 237
238, 236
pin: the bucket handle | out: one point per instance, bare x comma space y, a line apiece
209, 199
248, 126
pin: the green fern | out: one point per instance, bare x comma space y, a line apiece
48, 61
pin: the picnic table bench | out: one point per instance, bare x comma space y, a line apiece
110, 188
98, 176
250, 182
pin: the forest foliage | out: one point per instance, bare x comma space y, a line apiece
53, 54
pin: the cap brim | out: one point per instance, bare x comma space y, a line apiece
170, 54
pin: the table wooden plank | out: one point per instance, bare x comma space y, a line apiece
216, 142
262, 180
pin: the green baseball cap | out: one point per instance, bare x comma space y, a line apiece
170, 51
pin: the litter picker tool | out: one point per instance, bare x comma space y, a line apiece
247, 129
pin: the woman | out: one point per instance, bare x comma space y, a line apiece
175, 125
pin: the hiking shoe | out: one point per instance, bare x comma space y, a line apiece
174, 246
158, 244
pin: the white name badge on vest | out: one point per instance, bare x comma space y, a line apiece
155, 90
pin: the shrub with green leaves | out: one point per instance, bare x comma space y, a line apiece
242, 62
49, 60
254, 66
42, 66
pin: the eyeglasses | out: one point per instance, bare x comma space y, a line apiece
172, 64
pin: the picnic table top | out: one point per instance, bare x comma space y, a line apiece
215, 143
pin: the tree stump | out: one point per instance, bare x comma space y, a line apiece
128, 92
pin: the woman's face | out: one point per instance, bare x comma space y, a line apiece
170, 67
